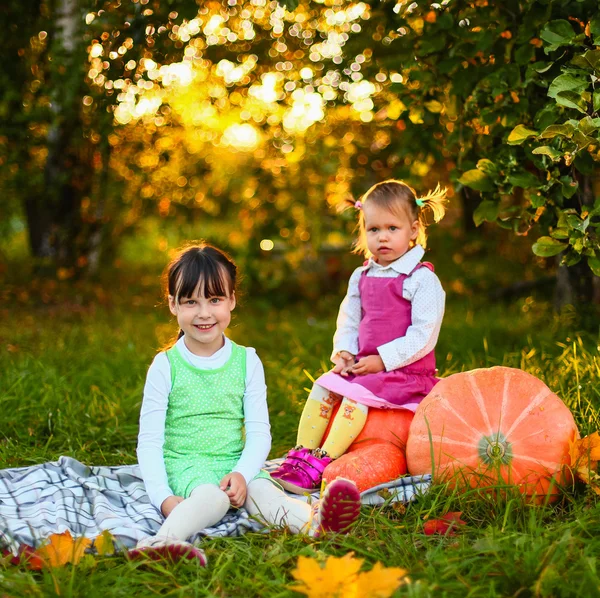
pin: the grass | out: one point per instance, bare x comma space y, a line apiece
71, 376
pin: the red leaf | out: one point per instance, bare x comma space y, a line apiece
445, 525
454, 517
29, 557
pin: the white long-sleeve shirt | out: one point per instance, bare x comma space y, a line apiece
151, 436
423, 289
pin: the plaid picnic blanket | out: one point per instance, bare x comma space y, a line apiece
66, 495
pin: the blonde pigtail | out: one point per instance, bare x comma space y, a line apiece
436, 202
360, 243
349, 203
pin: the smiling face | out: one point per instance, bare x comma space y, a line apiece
389, 234
203, 320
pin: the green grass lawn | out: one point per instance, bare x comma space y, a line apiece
71, 378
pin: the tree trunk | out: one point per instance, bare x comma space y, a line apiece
54, 217
37, 227
577, 285
96, 245
470, 200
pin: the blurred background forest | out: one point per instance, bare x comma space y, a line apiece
130, 126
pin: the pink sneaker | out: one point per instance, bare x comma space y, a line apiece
293, 456
304, 472
339, 507
157, 549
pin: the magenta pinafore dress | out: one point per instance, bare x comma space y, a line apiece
386, 315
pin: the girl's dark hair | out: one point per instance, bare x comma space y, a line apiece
204, 265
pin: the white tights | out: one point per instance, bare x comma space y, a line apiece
208, 504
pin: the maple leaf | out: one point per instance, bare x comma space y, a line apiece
104, 544
587, 448
585, 454
446, 524
380, 582
337, 579
62, 549
341, 578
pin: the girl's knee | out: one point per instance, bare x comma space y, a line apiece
349, 405
322, 395
221, 498
254, 487
260, 489
211, 493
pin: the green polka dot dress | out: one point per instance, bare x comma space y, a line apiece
204, 427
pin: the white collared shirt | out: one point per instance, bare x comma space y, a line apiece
423, 289
153, 415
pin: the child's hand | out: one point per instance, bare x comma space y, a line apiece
372, 364
343, 363
234, 485
169, 504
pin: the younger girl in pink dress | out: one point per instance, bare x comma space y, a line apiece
387, 328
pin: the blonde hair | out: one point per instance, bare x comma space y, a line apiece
394, 196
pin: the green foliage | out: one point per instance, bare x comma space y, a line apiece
476, 179
520, 134
521, 111
547, 247
290, 4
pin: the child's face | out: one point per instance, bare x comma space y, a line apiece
389, 235
203, 320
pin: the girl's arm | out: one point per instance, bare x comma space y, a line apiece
151, 436
424, 290
346, 333
256, 419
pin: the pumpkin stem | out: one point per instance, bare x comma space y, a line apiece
495, 449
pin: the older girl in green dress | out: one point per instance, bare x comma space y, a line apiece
204, 425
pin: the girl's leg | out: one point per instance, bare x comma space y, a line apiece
206, 506
267, 502
303, 467
315, 417
337, 510
347, 425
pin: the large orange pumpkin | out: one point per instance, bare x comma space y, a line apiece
490, 426
377, 455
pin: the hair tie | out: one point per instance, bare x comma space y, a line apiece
420, 202
358, 204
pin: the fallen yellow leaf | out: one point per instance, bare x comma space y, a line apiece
585, 454
587, 448
104, 544
336, 579
63, 549
380, 582
340, 577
